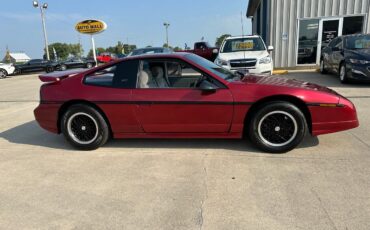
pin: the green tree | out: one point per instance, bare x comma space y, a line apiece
177, 48
63, 50
220, 39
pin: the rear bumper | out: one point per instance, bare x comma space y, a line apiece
47, 117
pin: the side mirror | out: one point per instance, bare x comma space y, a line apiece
215, 51
270, 48
335, 49
207, 86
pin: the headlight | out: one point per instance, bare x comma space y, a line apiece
356, 61
221, 62
265, 60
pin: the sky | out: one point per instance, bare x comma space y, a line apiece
139, 22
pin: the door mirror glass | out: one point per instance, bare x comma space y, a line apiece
207, 86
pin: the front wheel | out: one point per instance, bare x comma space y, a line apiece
84, 127
277, 127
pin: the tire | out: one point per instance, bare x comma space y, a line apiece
277, 127
3, 73
322, 67
17, 72
89, 65
78, 120
343, 73
63, 67
49, 69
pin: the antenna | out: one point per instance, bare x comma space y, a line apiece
241, 20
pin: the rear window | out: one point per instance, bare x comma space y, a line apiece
120, 75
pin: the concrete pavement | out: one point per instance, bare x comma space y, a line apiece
180, 184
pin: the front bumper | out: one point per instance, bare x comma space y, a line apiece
358, 72
257, 69
333, 119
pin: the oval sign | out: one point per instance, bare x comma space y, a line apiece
91, 27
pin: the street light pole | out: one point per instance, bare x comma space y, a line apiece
43, 7
166, 25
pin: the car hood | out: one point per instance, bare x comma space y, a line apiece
243, 55
365, 53
284, 82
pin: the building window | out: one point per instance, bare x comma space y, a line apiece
353, 25
307, 41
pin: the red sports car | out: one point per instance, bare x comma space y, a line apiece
185, 96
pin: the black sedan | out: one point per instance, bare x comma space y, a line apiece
36, 65
76, 63
347, 56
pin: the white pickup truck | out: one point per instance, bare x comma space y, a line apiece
6, 69
247, 54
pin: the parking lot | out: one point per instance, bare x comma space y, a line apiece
180, 184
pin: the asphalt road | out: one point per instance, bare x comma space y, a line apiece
180, 184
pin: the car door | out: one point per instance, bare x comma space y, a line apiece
165, 107
34, 65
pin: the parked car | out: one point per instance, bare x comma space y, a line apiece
76, 62
150, 50
348, 56
6, 69
106, 57
204, 49
36, 65
245, 54
186, 96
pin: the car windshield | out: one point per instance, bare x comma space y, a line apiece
243, 44
212, 67
358, 42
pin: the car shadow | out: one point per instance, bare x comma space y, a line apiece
31, 134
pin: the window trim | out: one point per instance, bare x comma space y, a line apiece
109, 66
219, 84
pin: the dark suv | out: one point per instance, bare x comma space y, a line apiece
36, 65
348, 56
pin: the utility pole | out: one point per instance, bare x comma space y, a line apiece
167, 25
43, 7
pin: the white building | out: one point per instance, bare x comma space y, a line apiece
16, 57
298, 29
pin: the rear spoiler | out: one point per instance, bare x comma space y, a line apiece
59, 75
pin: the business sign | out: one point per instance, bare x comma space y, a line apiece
91, 27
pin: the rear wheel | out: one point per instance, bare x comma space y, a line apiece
277, 127
322, 67
3, 73
17, 71
49, 69
84, 127
343, 73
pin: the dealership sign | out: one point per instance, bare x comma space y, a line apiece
91, 26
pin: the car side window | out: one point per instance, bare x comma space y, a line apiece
339, 43
120, 75
168, 74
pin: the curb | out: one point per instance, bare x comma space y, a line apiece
280, 72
